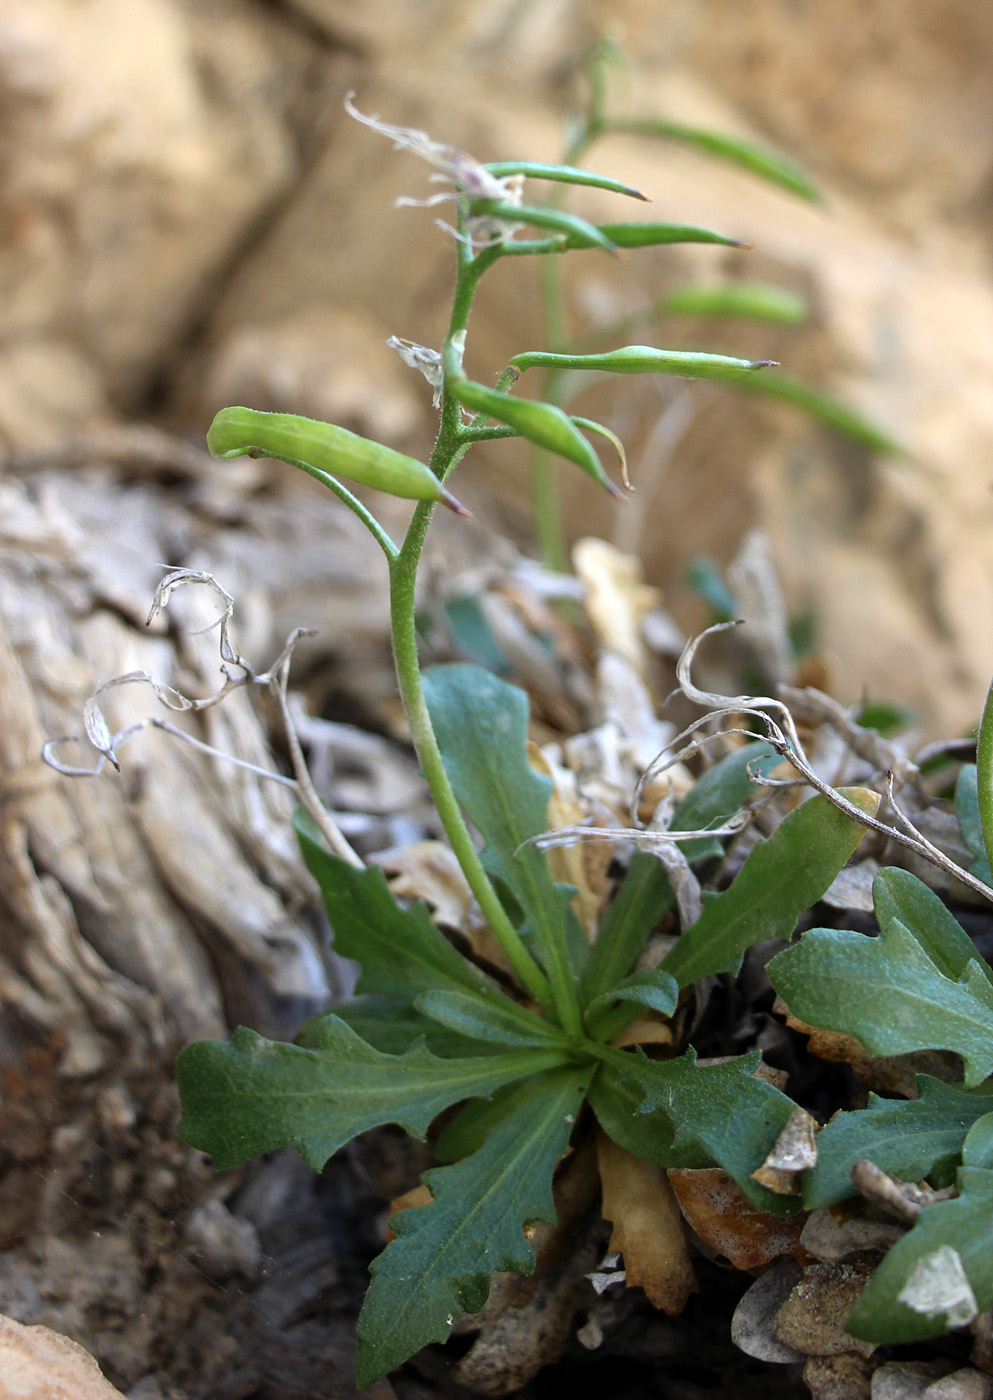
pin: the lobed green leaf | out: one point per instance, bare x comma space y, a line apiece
900, 896
939, 1276
977, 1150
467, 1130
782, 877
401, 951
888, 994
390, 1024
678, 1113
506, 1024
910, 1138
250, 1095
649, 987
481, 723
440, 1263
645, 895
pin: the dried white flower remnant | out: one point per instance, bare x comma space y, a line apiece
938, 1286
470, 178
422, 358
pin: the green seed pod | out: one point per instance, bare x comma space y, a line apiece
646, 359
541, 423
317, 447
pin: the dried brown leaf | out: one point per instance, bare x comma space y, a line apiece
885, 1074
904, 1200
584, 864
508, 1352
648, 1227
428, 870
616, 600
717, 1209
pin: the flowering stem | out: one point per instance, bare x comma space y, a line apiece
448, 449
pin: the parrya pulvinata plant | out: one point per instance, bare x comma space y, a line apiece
518, 1067
429, 1030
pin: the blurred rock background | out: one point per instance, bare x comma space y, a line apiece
190, 219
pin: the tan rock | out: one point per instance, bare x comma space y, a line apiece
39, 1364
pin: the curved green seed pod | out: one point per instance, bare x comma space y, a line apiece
541, 423
646, 359
324, 448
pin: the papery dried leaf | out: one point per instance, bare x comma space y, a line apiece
584, 864
717, 1209
617, 599
892, 1074
829, 1236
428, 870
508, 1352
648, 1029
648, 1226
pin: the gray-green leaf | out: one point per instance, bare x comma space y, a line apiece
911, 1138
650, 987
782, 877
938, 1276
888, 994
401, 951
389, 1024
481, 723
251, 1095
677, 1113
897, 894
646, 895
505, 1024
970, 825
